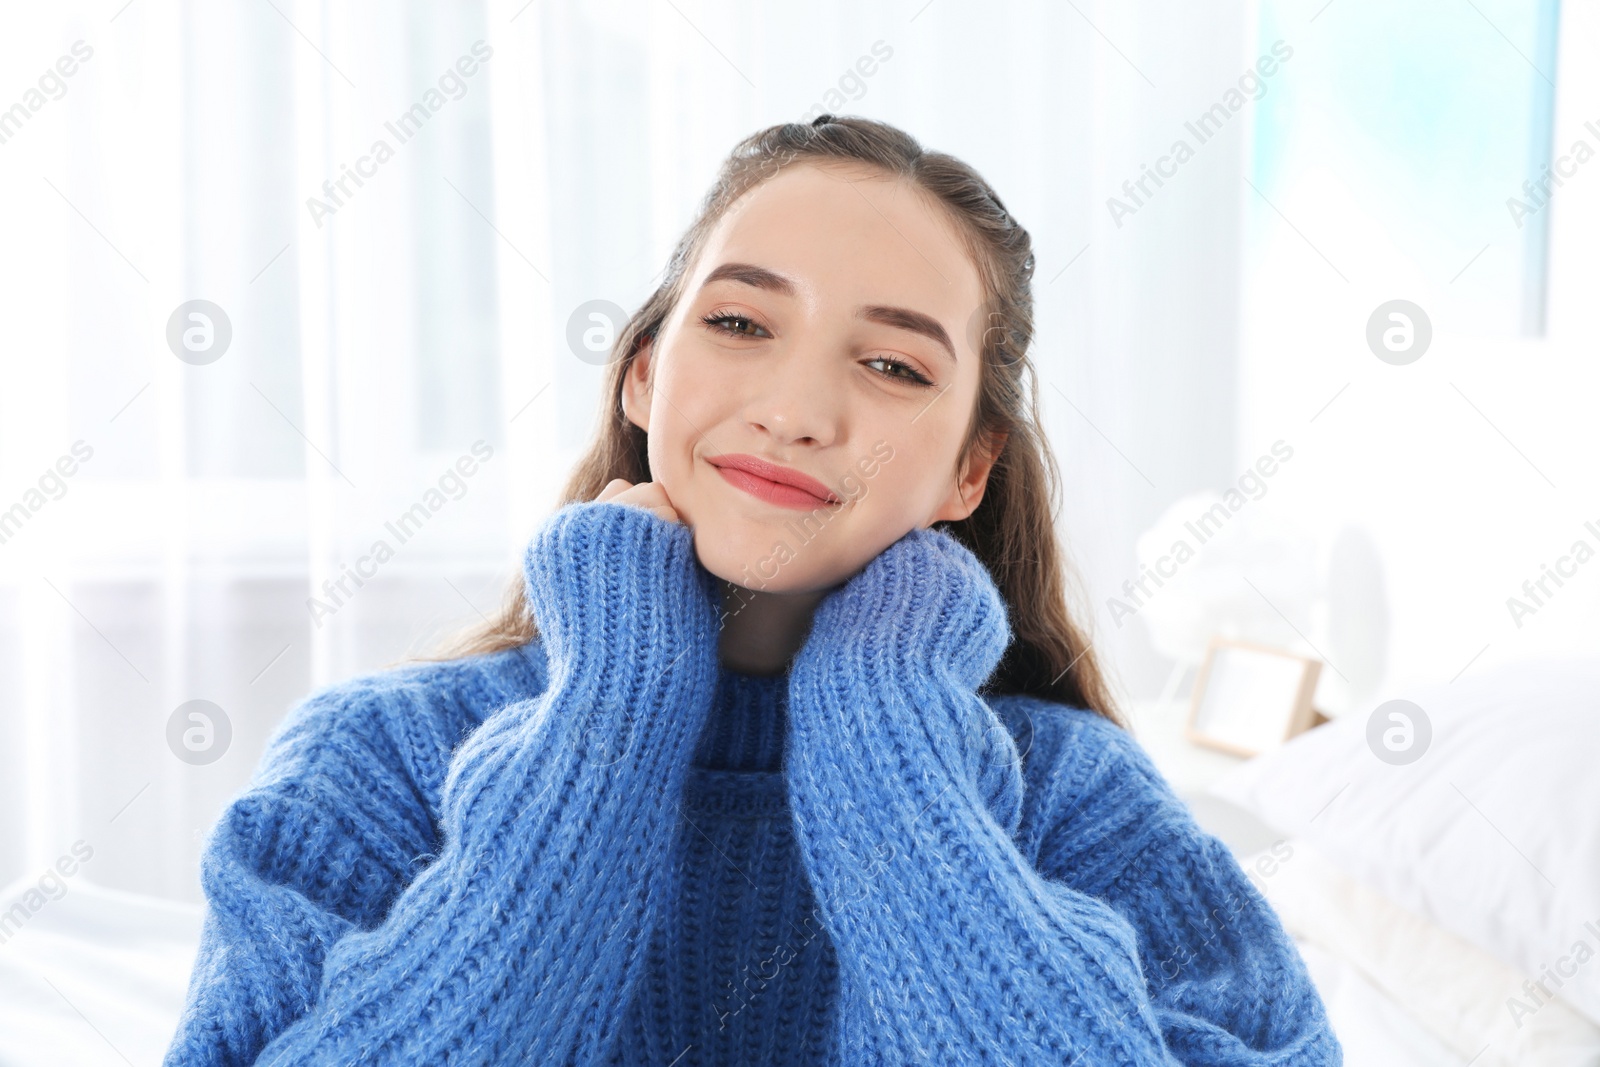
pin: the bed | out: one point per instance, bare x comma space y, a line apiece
1425, 898
94, 976
1453, 890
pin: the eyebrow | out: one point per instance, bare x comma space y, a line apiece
898, 317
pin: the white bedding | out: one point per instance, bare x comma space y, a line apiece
1485, 822
1403, 979
97, 979
1373, 1029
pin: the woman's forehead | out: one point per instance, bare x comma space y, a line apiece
854, 234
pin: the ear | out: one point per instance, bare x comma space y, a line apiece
636, 392
967, 491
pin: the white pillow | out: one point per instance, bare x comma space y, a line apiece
1454, 990
1492, 833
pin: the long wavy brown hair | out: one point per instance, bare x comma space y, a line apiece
1013, 529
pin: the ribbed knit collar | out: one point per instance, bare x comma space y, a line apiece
746, 725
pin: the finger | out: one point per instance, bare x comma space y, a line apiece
647, 495
644, 495
654, 495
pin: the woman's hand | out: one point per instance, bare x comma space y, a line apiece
652, 496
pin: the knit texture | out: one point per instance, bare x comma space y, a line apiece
604, 848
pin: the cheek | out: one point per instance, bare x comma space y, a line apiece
902, 469
676, 409
685, 413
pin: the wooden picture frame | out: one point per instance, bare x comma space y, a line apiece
1250, 697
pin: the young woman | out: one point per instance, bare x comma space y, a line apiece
785, 749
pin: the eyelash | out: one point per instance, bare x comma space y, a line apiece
718, 323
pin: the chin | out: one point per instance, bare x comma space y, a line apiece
767, 558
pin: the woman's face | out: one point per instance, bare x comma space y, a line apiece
846, 352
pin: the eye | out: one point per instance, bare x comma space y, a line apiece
721, 324
732, 325
896, 366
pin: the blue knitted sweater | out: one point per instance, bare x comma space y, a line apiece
602, 847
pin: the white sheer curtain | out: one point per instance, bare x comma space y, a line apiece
379, 336
1471, 471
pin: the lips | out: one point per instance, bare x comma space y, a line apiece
771, 482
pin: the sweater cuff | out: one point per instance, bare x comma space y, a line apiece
614, 586
924, 603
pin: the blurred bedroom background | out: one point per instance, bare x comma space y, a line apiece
375, 341
242, 343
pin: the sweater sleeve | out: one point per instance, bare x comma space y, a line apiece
907, 792
1227, 983
331, 828
523, 938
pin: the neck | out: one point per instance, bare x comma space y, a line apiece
761, 632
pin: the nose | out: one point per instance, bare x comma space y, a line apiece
796, 402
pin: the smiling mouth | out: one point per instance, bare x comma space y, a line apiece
748, 473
